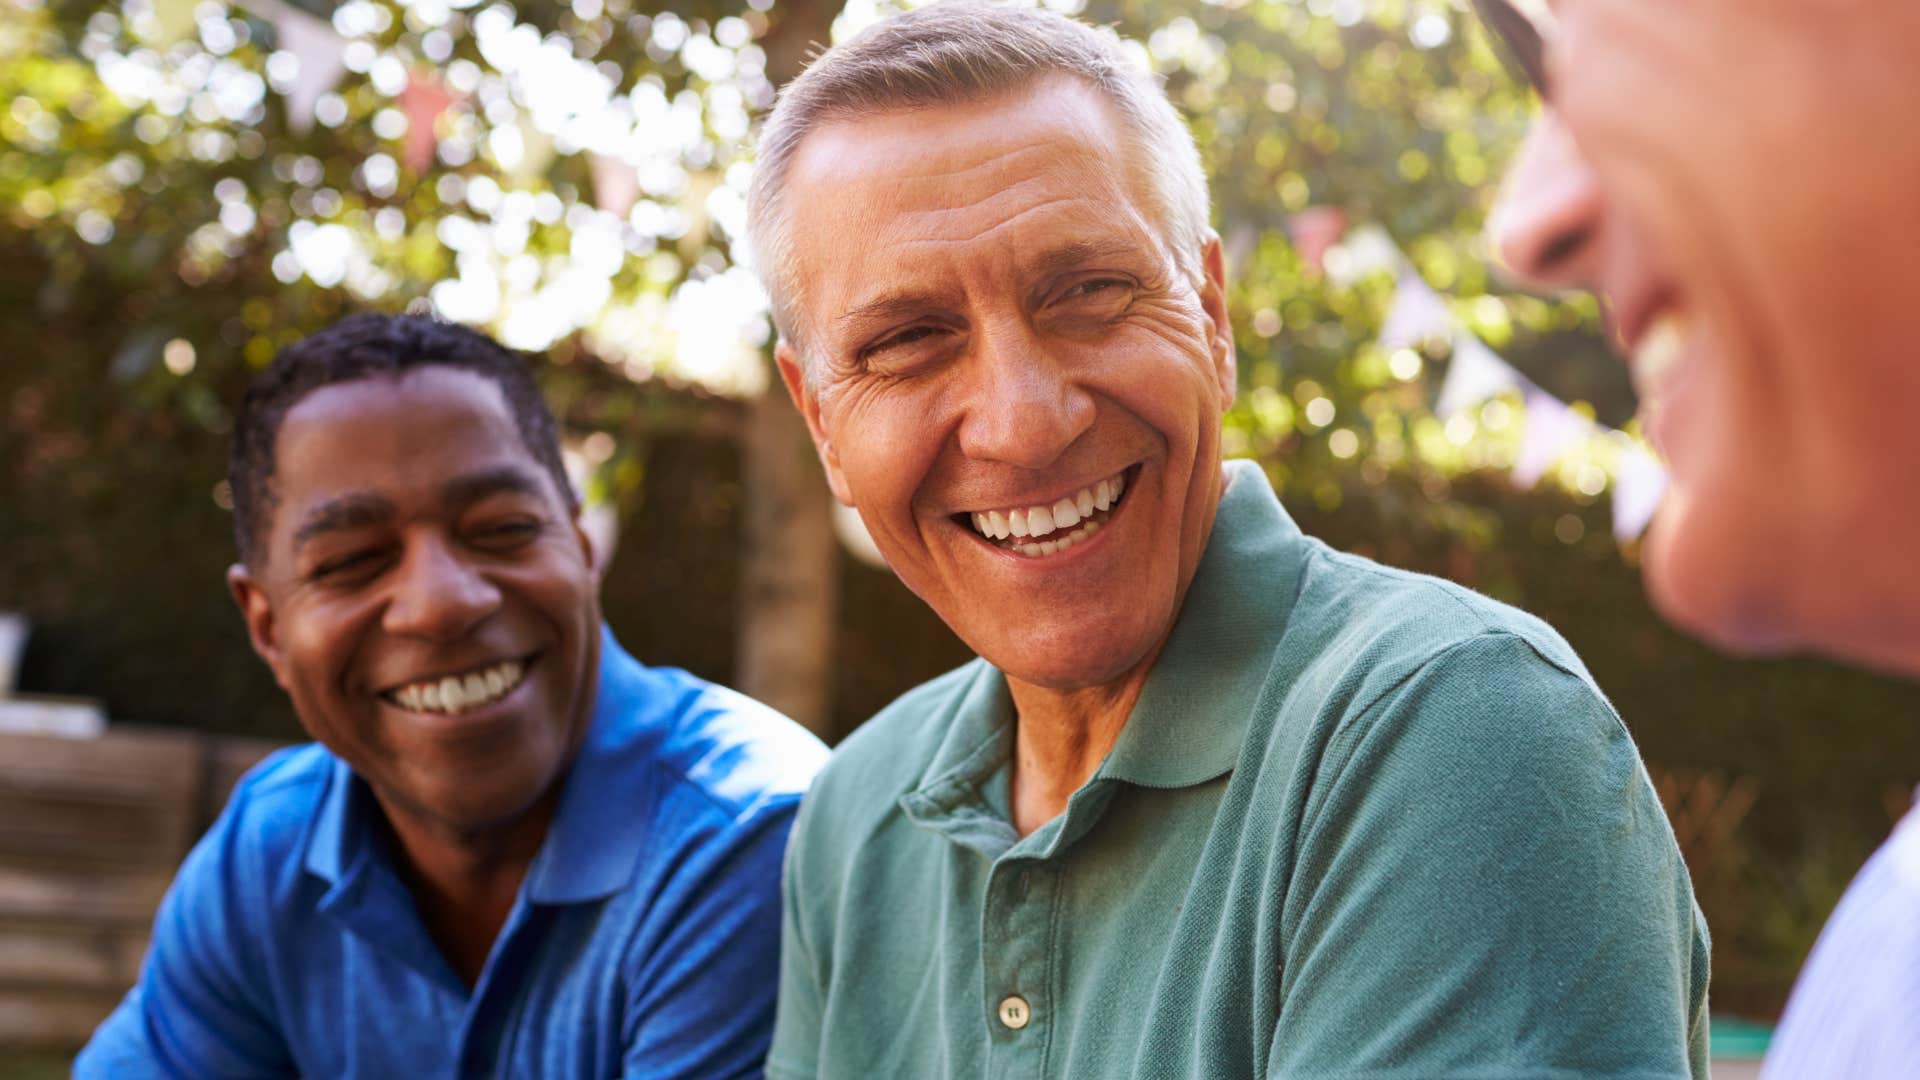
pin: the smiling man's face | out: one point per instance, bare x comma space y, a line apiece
1016, 386
1737, 178
425, 598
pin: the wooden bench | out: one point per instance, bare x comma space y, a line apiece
91, 831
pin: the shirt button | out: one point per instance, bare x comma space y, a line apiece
1014, 1012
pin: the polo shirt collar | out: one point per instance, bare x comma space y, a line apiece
598, 829
1191, 721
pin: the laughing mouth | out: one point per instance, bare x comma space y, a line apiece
464, 692
1048, 529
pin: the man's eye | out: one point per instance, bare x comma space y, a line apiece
1098, 291
905, 337
510, 531
338, 568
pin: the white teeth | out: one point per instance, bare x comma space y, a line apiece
1658, 353
454, 694
1039, 520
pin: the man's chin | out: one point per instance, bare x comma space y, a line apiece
1720, 590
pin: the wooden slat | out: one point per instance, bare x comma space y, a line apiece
80, 895
128, 796
79, 957
54, 1019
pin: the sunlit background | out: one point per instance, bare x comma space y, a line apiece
185, 187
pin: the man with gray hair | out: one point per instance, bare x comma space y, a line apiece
1215, 801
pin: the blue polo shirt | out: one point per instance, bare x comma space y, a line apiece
644, 941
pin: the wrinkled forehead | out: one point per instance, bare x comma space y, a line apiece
914, 188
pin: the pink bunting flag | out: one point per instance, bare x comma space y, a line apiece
1550, 427
1417, 314
1473, 375
1639, 483
616, 183
1313, 231
321, 54
423, 100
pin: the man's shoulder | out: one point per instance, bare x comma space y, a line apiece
1361, 623
735, 752
890, 754
271, 808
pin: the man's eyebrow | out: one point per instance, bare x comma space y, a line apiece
354, 511
1081, 252
889, 306
1065, 257
505, 479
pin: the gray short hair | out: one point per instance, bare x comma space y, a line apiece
962, 51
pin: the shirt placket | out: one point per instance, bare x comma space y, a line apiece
1019, 1002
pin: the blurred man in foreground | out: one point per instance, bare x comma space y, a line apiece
1215, 801
514, 851
1739, 179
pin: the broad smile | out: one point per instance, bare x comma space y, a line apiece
460, 692
1048, 528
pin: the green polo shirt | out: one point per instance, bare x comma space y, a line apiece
1361, 823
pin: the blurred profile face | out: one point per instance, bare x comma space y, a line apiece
1738, 179
1015, 386
425, 598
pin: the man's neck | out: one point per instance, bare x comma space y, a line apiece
1060, 738
465, 883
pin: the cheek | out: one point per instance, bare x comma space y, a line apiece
888, 441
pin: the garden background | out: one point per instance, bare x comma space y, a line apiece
185, 187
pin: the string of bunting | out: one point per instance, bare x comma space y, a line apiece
1477, 374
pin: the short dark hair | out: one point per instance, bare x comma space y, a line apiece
366, 346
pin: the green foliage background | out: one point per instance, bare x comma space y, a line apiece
111, 515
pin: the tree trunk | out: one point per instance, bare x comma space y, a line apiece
789, 563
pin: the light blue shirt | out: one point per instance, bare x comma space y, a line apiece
644, 941
1855, 1011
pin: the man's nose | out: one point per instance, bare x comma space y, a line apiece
1024, 407
1545, 226
438, 593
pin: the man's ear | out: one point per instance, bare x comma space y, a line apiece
1213, 298
257, 611
803, 399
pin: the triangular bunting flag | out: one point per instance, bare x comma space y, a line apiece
423, 100
1639, 483
616, 183
1417, 314
1550, 428
1365, 250
1474, 375
321, 53
1313, 231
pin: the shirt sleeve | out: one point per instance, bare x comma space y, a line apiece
703, 1000
198, 1011
1486, 887
797, 1022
